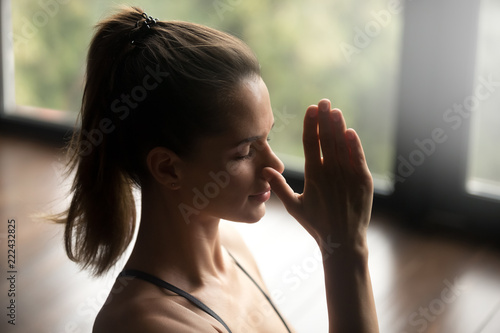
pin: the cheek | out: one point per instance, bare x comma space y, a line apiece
229, 183
234, 168
235, 183
239, 169
241, 178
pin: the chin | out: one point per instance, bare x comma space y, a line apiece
252, 216
257, 213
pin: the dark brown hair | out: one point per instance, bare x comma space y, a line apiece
148, 84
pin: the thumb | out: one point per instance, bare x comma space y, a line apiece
280, 187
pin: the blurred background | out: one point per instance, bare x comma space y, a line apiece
418, 80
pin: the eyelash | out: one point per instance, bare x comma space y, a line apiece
250, 152
245, 157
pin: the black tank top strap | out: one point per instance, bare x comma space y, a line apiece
163, 284
261, 290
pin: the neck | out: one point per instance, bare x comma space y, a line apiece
172, 249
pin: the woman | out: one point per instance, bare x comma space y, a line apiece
180, 111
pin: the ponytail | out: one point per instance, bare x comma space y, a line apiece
148, 83
101, 219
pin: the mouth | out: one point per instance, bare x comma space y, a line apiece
262, 196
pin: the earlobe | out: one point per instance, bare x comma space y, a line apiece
163, 165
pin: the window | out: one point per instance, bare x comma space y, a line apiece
396, 74
484, 161
341, 50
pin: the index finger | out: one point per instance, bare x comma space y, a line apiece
310, 139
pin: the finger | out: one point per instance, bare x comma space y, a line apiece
280, 187
326, 132
341, 148
310, 139
357, 155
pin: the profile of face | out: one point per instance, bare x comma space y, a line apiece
224, 177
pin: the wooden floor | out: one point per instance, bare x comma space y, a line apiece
423, 282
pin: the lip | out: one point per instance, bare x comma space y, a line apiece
262, 196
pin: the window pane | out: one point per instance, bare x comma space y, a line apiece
347, 51
484, 161
49, 53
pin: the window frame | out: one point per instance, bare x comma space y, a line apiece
435, 191
10, 123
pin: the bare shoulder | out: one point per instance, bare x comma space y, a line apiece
128, 318
148, 315
136, 322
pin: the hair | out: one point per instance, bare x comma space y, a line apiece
147, 84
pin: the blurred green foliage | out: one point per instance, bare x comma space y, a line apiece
298, 43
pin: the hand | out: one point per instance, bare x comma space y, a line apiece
338, 189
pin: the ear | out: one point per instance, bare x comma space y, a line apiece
164, 166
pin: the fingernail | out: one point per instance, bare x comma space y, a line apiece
312, 112
323, 107
336, 116
350, 134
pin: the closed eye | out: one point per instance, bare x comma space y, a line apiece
251, 151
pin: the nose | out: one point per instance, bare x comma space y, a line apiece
273, 161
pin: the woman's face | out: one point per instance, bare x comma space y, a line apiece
224, 179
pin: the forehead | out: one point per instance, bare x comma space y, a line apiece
251, 113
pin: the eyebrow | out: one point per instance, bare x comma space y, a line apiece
249, 140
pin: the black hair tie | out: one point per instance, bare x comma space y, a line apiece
147, 22
144, 26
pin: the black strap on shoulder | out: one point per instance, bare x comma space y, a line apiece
163, 284
262, 291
